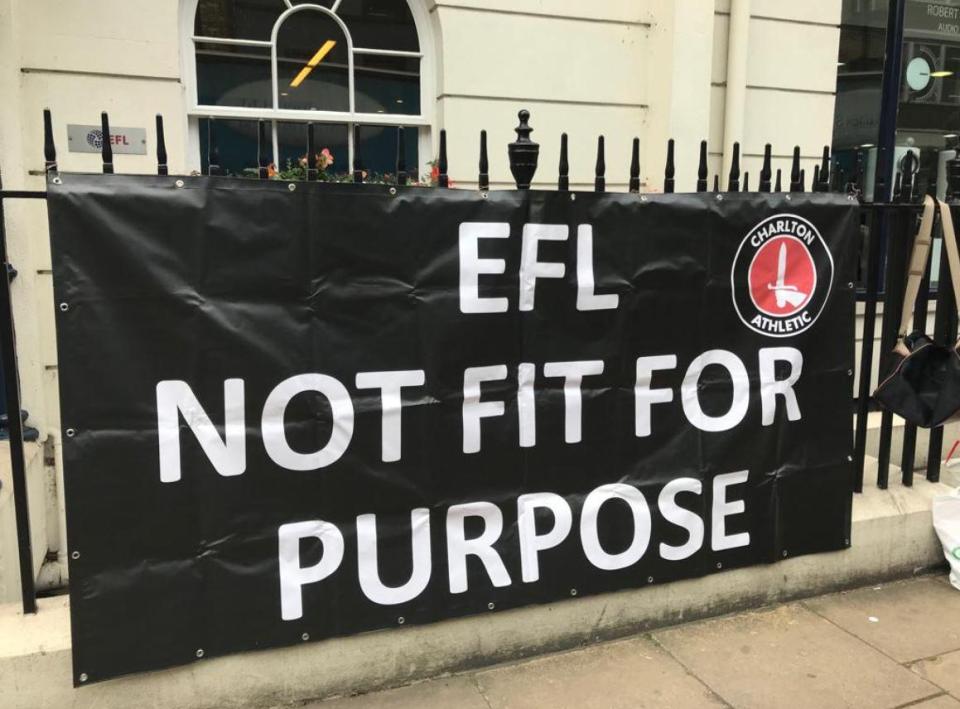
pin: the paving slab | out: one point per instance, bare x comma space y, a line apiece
908, 620
630, 674
943, 671
944, 701
790, 657
459, 692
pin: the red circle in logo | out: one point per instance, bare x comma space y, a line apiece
782, 276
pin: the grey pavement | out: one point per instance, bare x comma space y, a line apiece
881, 647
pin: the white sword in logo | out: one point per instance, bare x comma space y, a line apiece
785, 294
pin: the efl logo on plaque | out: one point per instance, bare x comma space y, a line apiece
781, 276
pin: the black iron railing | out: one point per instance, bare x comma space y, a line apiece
887, 230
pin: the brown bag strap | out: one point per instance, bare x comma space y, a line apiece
950, 245
918, 263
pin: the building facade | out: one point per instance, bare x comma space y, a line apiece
750, 71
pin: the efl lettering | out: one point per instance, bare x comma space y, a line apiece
690, 391
590, 537
293, 576
459, 547
688, 520
531, 543
274, 432
719, 539
472, 266
390, 384
587, 298
228, 455
531, 268
573, 374
526, 405
771, 387
368, 568
473, 409
644, 396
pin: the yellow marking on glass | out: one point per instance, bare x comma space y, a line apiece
314, 60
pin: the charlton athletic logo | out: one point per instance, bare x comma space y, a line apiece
781, 276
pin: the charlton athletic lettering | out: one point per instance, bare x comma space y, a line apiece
300, 414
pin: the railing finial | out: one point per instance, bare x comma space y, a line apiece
563, 181
357, 160
733, 181
484, 178
669, 172
213, 151
600, 180
702, 168
443, 179
161, 148
523, 153
401, 157
746, 181
263, 167
795, 171
311, 155
778, 186
716, 183
49, 149
106, 149
635, 167
766, 172
824, 182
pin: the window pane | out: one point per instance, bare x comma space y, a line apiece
292, 143
380, 24
387, 84
377, 148
237, 19
236, 143
233, 76
312, 63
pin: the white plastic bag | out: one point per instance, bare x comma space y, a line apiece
946, 521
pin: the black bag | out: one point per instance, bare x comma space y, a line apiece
924, 386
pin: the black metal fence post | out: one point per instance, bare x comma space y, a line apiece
8, 362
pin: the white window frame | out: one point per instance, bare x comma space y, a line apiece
423, 121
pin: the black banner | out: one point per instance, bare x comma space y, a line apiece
293, 412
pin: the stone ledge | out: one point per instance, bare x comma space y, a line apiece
892, 538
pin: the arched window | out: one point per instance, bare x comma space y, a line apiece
355, 68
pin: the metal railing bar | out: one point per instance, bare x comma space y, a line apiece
8, 363
23, 194
236, 42
896, 252
387, 52
919, 323
303, 116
